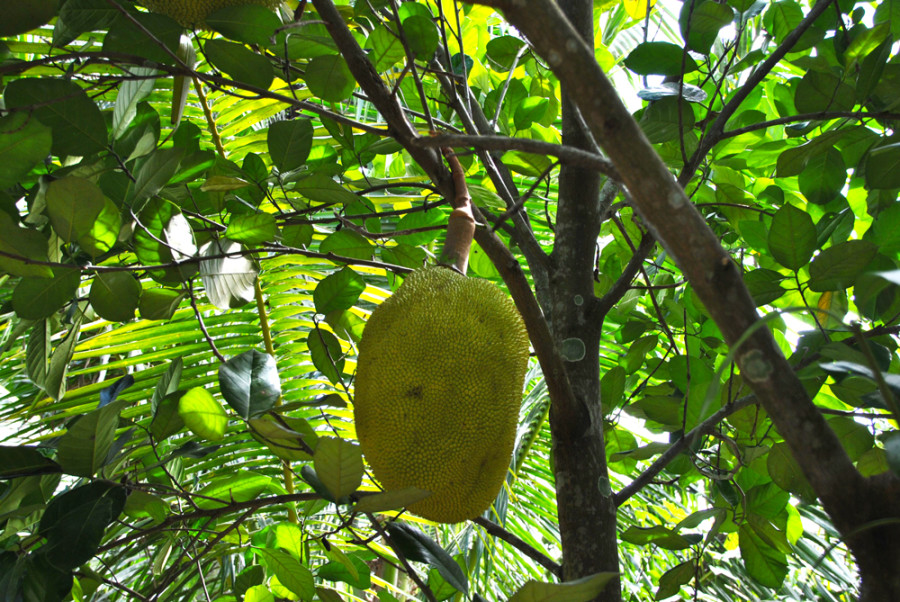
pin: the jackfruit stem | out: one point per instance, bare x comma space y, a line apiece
461, 223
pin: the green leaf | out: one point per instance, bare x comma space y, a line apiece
823, 91
289, 143
530, 110
892, 451
659, 58
326, 353
501, 51
24, 142
660, 121
77, 124
291, 572
258, 593
23, 243
706, 20
421, 36
252, 229
347, 243
385, 48
131, 93
73, 205
289, 444
83, 450
337, 291
80, 16
580, 590
786, 473
76, 520
359, 577
782, 18
126, 37
166, 419
164, 236
338, 465
104, 232
241, 487
671, 581
21, 461
329, 78
320, 188
764, 285
289, 537
417, 220
838, 267
417, 546
657, 535
240, 63
792, 237
159, 303
612, 388
823, 177
202, 414
247, 23
883, 167
249, 383
115, 295
55, 381
297, 235
764, 563
141, 504
45, 582
854, 436
37, 298
155, 171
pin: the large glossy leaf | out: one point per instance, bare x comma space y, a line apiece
792, 237
76, 520
202, 414
249, 383
77, 124
23, 142
290, 572
839, 266
338, 465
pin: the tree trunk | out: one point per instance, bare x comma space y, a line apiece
586, 507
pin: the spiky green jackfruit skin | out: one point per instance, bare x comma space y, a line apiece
193, 13
438, 387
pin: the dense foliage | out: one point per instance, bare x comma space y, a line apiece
195, 225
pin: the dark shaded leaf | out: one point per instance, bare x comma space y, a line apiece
417, 546
250, 384
76, 520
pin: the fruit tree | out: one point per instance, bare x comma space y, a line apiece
691, 206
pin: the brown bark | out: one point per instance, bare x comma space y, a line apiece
585, 504
854, 503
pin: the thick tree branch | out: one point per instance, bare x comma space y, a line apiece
710, 270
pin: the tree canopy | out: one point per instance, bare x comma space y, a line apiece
693, 205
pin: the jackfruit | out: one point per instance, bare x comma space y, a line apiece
437, 391
193, 13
